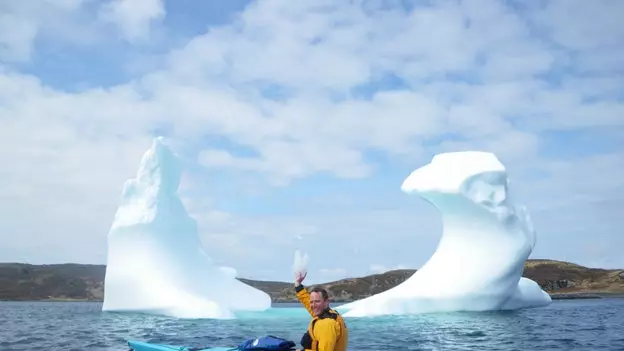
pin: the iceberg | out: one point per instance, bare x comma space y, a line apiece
480, 258
300, 264
156, 263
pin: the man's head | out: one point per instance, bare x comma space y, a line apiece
319, 300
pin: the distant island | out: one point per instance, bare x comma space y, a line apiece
83, 282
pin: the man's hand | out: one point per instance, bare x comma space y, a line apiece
299, 278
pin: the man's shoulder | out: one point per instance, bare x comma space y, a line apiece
329, 314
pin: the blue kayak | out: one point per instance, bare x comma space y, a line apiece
146, 346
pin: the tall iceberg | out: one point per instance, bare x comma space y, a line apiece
156, 263
480, 258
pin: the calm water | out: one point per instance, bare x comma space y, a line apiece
565, 325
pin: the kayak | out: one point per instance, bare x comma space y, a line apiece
136, 345
267, 342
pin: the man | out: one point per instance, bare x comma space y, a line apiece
327, 330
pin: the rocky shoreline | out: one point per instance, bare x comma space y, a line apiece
554, 296
80, 282
585, 295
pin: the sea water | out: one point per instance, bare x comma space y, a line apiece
564, 325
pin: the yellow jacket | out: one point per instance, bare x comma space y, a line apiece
327, 331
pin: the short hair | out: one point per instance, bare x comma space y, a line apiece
322, 291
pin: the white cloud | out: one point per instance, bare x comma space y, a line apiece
348, 238
290, 54
331, 274
380, 268
473, 78
16, 36
584, 32
21, 22
133, 17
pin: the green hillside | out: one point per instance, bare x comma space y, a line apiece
20, 281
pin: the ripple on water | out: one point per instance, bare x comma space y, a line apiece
565, 325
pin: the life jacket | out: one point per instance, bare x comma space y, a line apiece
307, 340
266, 343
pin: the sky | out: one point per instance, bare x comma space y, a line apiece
297, 121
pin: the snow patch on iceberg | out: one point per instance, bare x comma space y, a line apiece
480, 258
156, 262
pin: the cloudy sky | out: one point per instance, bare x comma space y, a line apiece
297, 121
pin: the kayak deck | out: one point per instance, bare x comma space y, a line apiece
136, 345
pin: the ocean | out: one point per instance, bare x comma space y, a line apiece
588, 324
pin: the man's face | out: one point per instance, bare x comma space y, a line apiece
317, 303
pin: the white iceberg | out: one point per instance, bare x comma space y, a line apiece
156, 263
480, 258
300, 264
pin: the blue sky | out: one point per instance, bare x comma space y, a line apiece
298, 121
